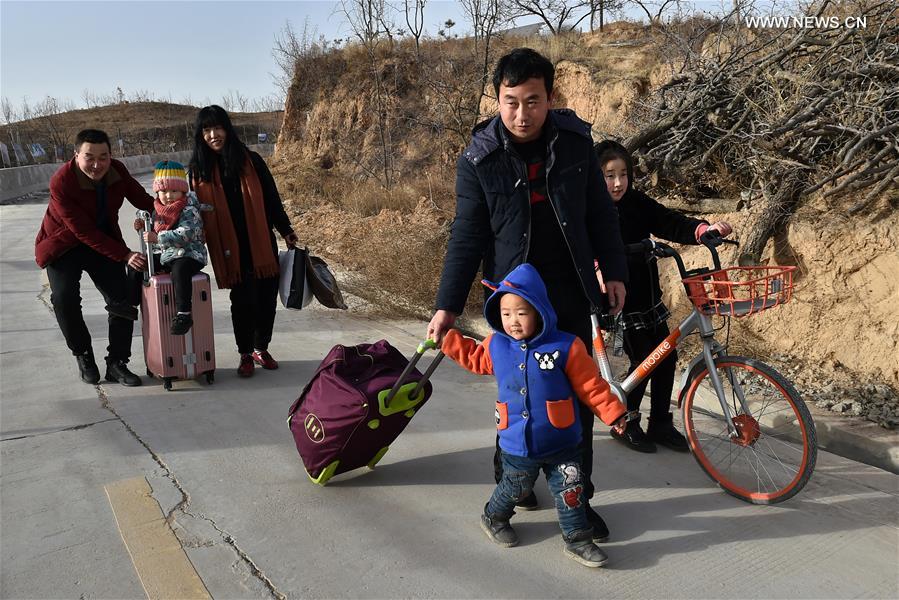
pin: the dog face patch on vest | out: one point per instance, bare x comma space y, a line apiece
546, 360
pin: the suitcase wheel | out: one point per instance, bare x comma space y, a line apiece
378, 456
326, 474
210, 377
167, 384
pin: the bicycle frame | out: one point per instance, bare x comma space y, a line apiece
710, 349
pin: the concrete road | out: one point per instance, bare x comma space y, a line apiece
89, 472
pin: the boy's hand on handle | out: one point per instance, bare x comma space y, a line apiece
616, 293
150, 236
137, 261
441, 322
138, 225
620, 424
291, 240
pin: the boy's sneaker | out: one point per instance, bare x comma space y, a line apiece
246, 367
662, 431
529, 502
265, 360
500, 531
633, 436
600, 529
181, 323
580, 548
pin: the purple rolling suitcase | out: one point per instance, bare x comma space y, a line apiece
357, 402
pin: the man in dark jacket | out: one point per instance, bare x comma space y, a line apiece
528, 189
80, 233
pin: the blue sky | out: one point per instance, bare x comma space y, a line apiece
198, 49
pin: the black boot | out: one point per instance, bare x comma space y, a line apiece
529, 502
181, 323
499, 530
87, 366
600, 529
633, 436
580, 547
661, 430
117, 371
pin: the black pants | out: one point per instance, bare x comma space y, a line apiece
253, 305
573, 314
108, 275
638, 343
182, 271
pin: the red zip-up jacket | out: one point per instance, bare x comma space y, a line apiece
71, 216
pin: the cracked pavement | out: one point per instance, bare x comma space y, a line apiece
223, 467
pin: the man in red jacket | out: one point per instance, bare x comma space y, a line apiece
80, 233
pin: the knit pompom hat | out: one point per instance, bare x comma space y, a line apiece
170, 175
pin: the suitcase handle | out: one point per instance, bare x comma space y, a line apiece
146, 247
422, 348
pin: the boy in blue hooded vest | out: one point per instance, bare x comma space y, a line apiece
541, 373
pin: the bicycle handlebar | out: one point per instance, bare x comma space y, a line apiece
711, 239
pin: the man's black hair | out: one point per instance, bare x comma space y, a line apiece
204, 158
522, 64
91, 136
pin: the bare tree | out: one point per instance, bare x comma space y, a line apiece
415, 19
368, 20
8, 111
790, 113
486, 17
603, 7
558, 15
654, 9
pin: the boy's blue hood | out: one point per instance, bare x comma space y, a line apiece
523, 281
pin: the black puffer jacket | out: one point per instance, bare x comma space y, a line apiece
492, 223
641, 216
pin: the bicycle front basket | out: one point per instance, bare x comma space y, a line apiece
740, 291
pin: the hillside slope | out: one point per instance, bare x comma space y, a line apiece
841, 328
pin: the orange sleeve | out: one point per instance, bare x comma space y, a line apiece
591, 389
468, 353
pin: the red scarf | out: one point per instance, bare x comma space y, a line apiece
167, 214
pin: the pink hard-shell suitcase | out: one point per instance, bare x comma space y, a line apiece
168, 356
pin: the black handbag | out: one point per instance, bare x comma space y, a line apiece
293, 287
323, 283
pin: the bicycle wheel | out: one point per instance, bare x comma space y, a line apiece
774, 453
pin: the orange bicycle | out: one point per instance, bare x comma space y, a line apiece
746, 424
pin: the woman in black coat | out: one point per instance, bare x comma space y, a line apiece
644, 315
237, 184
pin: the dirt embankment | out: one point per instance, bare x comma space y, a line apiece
838, 338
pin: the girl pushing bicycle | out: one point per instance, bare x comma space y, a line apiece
644, 317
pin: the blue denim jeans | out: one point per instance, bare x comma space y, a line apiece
565, 480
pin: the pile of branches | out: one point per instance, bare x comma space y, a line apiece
787, 112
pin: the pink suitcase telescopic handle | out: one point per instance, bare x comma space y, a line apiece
419, 352
146, 247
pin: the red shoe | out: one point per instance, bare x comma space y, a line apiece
246, 365
265, 360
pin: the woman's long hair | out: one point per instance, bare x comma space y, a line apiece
204, 158
608, 150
